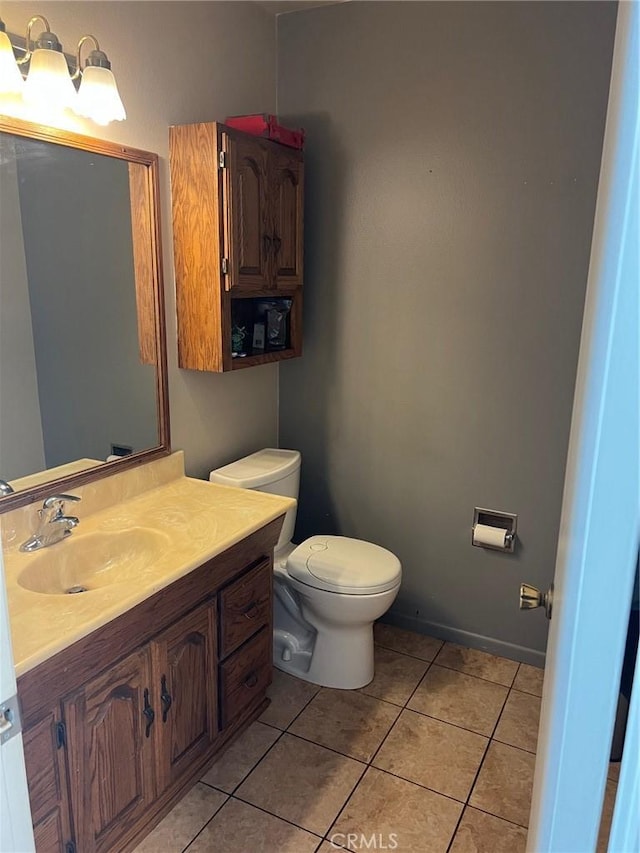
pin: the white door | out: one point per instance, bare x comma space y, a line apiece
599, 533
16, 834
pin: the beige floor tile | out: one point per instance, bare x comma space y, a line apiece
463, 700
519, 721
184, 821
505, 783
483, 833
480, 664
288, 697
396, 676
350, 722
241, 757
607, 815
240, 828
302, 782
432, 753
402, 816
407, 642
529, 679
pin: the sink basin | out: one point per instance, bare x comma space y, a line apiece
83, 563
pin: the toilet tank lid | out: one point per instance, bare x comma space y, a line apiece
258, 469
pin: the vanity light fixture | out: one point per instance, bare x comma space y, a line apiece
50, 82
98, 96
11, 82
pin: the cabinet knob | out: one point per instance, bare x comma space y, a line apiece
277, 242
251, 680
165, 698
251, 611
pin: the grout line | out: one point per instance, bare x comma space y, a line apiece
277, 816
329, 748
480, 766
344, 805
202, 828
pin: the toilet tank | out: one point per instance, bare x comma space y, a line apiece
274, 471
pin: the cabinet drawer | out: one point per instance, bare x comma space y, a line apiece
245, 607
245, 676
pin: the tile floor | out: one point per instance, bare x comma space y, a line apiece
436, 754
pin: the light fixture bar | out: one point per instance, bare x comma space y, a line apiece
52, 77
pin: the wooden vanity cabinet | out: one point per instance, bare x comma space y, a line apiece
238, 214
119, 724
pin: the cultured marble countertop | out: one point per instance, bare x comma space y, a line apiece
199, 520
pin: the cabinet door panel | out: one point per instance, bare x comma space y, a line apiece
45, 764
184, 662
248, 244
287, 185
111, 744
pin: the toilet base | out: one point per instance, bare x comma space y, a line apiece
352, 647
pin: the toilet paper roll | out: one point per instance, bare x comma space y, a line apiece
493, 537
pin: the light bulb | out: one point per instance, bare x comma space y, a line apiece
48, 83
11, 82
98, 98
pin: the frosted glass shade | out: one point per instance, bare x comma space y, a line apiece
48, 83
11, 82
98, 96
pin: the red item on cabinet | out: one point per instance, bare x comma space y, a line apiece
264, 124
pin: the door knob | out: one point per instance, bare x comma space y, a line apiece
531, 597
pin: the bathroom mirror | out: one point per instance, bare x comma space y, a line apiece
82, 336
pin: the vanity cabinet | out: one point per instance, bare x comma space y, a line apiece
119, 724
238, 212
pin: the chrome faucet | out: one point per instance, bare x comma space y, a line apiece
54, 524
5, 488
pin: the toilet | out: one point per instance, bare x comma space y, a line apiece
328, 591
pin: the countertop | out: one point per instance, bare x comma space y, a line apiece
194, 520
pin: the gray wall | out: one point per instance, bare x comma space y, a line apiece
452, 164
179, 62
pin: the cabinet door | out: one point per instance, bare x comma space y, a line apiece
111, 742
247, 232
184, 667
44, 758
287, 199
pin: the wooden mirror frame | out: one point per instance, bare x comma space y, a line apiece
18, 127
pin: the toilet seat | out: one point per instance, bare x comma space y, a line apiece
343, 565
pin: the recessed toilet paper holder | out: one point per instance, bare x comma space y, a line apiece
501, 520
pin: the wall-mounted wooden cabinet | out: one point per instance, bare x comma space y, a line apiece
237, 204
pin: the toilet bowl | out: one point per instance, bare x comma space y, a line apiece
328, 591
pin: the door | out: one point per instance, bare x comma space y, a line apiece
15, 817
111, 742
247, 230
599, 531
184, 672
287, 197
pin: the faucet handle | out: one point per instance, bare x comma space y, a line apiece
58, 500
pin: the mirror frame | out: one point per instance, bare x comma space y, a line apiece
69, 139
